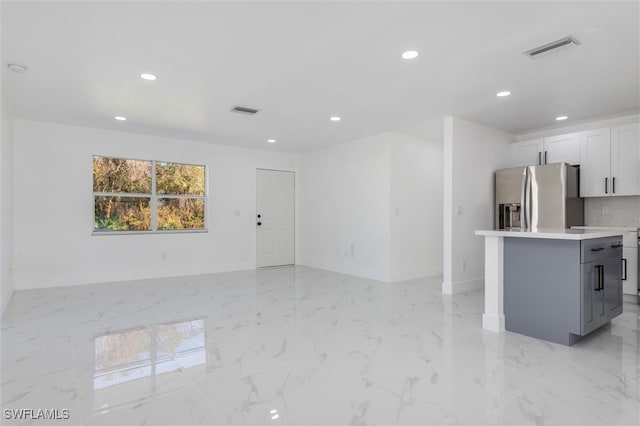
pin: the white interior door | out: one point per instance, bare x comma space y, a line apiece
275, 218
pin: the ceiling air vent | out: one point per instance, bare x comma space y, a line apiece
549, 47
244, 110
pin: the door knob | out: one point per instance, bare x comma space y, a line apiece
259, 223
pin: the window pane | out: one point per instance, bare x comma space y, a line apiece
120, 175
179, 179
180, 213
122, 214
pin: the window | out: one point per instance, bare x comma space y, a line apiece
147, 196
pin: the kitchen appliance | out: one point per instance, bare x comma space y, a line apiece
537, 197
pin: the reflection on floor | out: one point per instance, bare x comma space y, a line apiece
301, 346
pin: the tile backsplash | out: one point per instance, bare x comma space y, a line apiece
613, 211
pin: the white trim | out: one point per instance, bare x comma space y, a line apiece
493, 318
458, 287
350, 270
158, 232
415, 274
493, 322
147, 274
6, 298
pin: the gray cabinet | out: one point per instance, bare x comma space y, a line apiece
592, 297
560, 290
601, 279
613, 286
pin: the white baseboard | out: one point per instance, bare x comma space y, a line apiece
462, 286
358, 272
33, 283
493, 322
6, 298
415, 274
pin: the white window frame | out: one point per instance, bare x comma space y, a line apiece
153, 197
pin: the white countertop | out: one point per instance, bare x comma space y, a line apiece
553, 234
608, 228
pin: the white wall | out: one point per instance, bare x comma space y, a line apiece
53, 205
345, 203
372, 208
6, 211
416, 208
472, 153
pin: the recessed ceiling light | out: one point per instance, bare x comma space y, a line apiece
120, 118
17, 68
503, 94
335, 118
410, 54
149, 77
562, 117
271, 140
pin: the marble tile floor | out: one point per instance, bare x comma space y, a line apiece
301, 346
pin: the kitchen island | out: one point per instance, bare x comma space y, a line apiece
554, 284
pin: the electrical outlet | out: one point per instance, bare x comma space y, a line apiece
463, 265
353, 250
605, 211
459, 210
164, 255
397, 211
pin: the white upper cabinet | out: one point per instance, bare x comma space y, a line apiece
525, 153
595, 155
625, 160
555, 149
610, 161
562, 149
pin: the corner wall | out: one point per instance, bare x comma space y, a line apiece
6, 209
53, 205
372, 208
345, 208
472, 153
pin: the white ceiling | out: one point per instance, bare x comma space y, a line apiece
301, 62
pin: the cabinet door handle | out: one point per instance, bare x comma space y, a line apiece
539, 158
613, 185
597, 249
600, 277
545, 157
617, 246
624, 269
606, 185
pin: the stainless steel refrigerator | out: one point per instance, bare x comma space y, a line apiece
537, 197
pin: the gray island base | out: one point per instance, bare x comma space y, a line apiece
553, 284
561, 290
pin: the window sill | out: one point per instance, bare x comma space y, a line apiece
163, 232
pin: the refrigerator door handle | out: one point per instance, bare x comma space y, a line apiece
539, 158
524, 202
